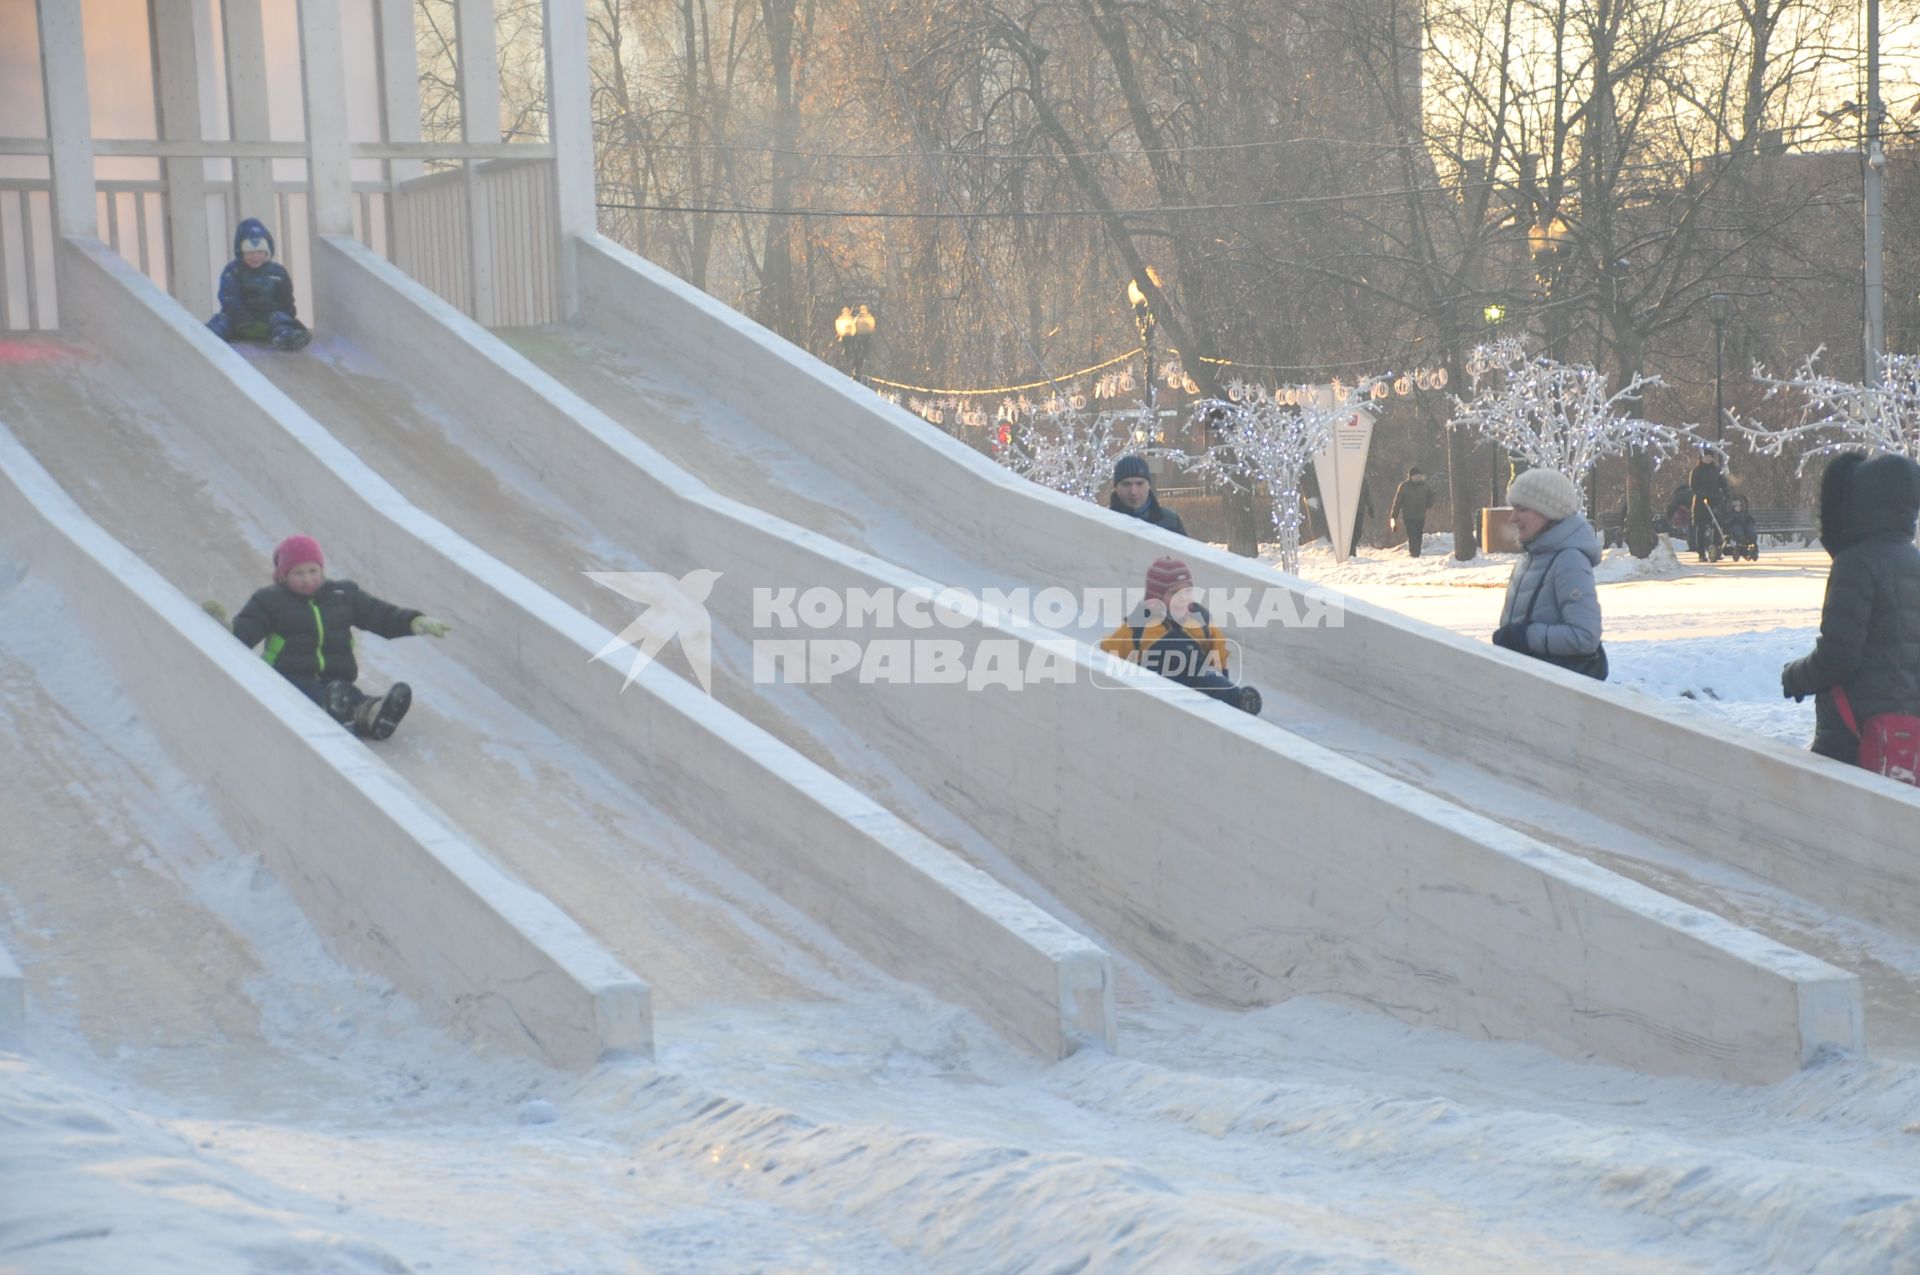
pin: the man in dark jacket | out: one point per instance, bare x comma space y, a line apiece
256, 294
1870, 624
1709, 487
1411, 501
1133, 495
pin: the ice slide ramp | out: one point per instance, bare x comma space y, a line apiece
1368, 888
1546, 753
628, 810
399, 890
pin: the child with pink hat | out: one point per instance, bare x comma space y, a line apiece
1171, 634
307, 623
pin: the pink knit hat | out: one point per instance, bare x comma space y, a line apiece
293, 551
1166, 577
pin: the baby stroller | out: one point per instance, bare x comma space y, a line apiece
1743, 537
1708, 538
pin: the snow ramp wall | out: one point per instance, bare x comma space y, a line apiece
1834, 836
1283, 868
887, 891
394, 887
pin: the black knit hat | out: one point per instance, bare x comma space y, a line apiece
1131, 467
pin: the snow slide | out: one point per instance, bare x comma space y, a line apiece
1369, 888
1837, 839
359, 849
653, 781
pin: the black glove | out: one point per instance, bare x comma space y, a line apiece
1787, 689
1511, 636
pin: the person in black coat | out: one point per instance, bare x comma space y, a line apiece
1870, 623
1709, 488
1411, 500
1133, 495
307, 623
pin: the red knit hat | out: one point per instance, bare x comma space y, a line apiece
293, 551
1166, 577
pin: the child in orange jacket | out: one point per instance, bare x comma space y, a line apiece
1172, 635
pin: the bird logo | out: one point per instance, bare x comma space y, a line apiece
676, 608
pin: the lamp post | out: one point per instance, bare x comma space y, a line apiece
854, 332
1144, 321
1718, 306
1495, 314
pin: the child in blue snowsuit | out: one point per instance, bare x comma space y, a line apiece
256, 294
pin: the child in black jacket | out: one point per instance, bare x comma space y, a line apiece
307, 623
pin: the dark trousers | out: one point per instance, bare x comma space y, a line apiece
1416, 528
252, 329
1177, 657
339, 698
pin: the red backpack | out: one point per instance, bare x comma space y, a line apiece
1889, 742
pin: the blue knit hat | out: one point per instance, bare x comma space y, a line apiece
1131, 467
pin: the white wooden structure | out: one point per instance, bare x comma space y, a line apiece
478, 219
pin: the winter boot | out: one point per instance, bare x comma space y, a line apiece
339, 702
290, 335
376, 718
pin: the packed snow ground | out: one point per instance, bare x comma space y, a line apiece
205, 1089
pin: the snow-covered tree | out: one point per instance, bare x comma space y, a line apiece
1260, 436
1557, 415
1843, 416
1073, 451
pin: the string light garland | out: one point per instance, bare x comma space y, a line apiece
1061, 447
1260, 437
1001, 389
1560, 416
1843, 416
939, 405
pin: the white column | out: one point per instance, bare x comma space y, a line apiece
570, 128
324, 74
63, 55
178, 48
248, 108
479, 85
399, 84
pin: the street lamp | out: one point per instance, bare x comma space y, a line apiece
854, 332
1718, 306
1144, 321
1495, 313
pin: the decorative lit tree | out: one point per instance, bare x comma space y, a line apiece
1557, 415
1063, 447
1842, 416
1256, 436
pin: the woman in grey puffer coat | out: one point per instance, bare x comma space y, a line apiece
1870, 624
1552, 610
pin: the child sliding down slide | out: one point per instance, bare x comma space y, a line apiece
256, 294
1171, 634
306, 621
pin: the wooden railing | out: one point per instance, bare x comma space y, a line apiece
512, 281
133, 223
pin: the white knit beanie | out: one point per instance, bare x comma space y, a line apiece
1547, 492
